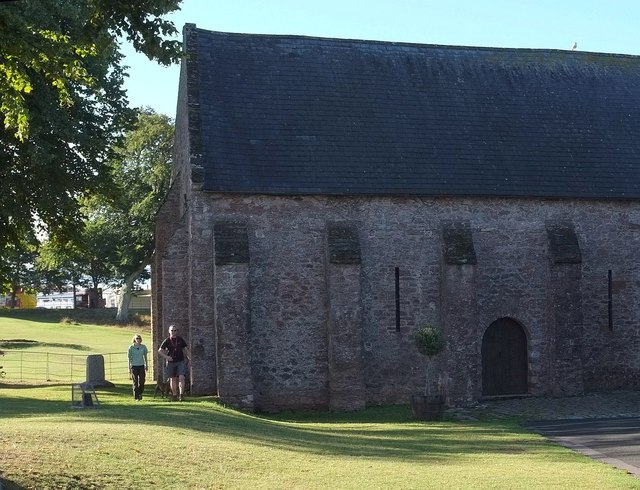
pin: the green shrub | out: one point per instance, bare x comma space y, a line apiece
430, 341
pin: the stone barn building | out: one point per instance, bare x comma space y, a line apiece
332, 196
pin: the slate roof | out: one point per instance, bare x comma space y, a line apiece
288, 115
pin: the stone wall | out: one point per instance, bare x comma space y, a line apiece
172, 277
171, 238
311, 324
171, 241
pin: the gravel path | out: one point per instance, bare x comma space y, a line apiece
593, 405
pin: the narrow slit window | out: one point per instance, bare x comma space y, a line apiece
397, 299
610, 299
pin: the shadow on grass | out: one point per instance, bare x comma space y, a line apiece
25, 386
15, 344
379, 432
9, 484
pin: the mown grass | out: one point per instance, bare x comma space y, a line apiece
41, 345
44, 443
66, 331
201, 444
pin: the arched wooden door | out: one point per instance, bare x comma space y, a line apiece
504, 359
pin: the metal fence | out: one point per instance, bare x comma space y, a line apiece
31, 366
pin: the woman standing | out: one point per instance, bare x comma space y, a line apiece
137, 365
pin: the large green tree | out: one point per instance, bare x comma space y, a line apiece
115, 242
141, 170
63, 103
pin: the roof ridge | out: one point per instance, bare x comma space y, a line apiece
461, 47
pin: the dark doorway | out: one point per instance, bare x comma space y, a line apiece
504, 359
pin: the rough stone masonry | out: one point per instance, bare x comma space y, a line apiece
332, 196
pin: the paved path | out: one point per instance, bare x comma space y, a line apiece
604, 426
612, 441
594, 405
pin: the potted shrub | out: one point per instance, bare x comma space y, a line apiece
429, 405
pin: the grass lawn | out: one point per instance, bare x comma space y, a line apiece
77, 339
68, 331
52, 345
44, 443
200, 444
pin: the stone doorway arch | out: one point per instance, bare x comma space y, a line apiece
504, 359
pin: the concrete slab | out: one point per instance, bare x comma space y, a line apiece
615, 441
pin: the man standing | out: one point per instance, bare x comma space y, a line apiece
175, 352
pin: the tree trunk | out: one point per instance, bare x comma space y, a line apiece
428, 374
124, 299
92, 298
125, 295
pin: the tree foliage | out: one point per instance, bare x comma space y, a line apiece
18, 270
63, 103
115, 243
141, 170
80, 261
429, 340
56, 40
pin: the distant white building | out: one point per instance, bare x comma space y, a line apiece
64, 300
140, 300
56, 301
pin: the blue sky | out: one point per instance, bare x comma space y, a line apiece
596, 25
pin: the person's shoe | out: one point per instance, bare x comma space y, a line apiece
181, 398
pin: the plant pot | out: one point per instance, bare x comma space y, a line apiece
427, 407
